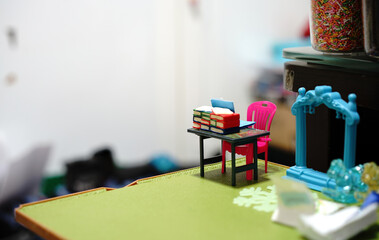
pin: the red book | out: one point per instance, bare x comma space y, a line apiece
225, 124
196, 125
205, 122
226, 117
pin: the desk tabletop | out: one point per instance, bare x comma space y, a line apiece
179, 205
246, 134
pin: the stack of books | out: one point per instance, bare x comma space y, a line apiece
220, 118
202, 118
225, 123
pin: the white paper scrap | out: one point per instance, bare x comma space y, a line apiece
341, 225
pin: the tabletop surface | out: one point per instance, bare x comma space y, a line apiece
243, 134
180, 205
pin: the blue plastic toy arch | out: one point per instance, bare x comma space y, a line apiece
305, 103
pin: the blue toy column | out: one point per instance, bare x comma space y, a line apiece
301, 133
351, 133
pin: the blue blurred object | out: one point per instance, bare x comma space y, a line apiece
348, 182
163, 163
277, 49
373, 197
223, 104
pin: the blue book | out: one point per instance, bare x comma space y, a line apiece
223, 104
225, 131
204, 127
245, 124
197, 119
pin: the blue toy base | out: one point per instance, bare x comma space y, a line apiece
313, 179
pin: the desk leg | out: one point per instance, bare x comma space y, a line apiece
233, 164
223, 161
255, 160
201, 156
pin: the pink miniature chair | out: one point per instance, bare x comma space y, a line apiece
262, 113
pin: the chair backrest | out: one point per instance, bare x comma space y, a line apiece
262, 113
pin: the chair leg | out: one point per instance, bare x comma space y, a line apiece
249, 159
266, 153
223, 163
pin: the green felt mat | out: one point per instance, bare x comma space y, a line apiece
175, 206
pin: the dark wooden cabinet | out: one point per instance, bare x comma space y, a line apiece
345, 74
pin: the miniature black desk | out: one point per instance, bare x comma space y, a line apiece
245, 136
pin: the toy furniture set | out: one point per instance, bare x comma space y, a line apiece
245, 136
236, 138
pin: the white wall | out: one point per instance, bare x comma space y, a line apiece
127, 73
85, 77
224, 45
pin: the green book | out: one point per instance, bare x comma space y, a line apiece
203, 109
196, 119
196, 113
206, 115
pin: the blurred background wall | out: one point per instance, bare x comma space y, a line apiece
127, 74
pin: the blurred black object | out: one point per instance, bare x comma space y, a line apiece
87, 174
9, 228
95, 172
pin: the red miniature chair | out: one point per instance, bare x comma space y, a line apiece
262, 113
